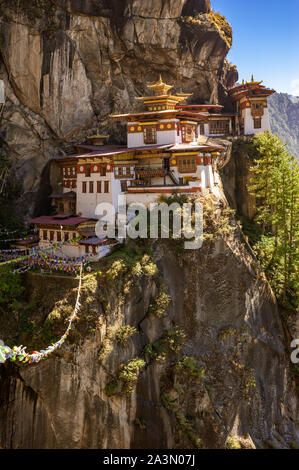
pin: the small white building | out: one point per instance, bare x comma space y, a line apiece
252, 107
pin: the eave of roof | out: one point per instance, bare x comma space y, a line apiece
98, 153
51, 220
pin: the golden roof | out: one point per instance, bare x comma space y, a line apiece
98, 136
160, 88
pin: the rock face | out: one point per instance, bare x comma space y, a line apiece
233, 333
67, 64
236, 174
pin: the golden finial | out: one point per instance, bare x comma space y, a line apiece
243, 82
160, 80
252, 78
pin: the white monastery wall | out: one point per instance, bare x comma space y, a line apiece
249, 122
87, 202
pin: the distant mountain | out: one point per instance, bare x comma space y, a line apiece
284, 119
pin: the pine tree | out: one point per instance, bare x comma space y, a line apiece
275, 183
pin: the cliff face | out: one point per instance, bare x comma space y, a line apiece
67, 64
229, 376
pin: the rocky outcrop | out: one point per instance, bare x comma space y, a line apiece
236, 174
67, 64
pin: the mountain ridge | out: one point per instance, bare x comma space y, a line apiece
284, 120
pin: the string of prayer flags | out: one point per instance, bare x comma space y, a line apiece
18, 353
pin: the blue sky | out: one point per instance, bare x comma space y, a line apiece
265, 40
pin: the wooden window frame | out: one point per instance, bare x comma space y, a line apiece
124, 185
99, 187
150, 134
220, 126
45, 234
106, 187
66, 236
184, 167
84, 187
52, 234
187, 133
91, 187
59, 236
88, 170
257, 123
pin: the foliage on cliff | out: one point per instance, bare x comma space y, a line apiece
275, 184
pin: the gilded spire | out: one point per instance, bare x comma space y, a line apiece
160, 88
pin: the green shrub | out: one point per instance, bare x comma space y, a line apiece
128, 374
111, 388
125, 333
188, 368
172, 341
232, 443
160, 303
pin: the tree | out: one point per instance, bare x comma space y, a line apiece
11, 289
275, 183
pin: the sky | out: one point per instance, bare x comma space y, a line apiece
265, 40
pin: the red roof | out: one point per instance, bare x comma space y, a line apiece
110, 150
199, 106
58, 220
96, 241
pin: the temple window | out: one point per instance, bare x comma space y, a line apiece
106, 186
187, 133
59, 236
66, 236
219, 127
99, 186
202, 128
74, 235
45, 234
187, 165
257, 123
84, 187
257, 109
103, 170
87, 170
51, 235
91, 186
124, 185
86, 249
94, 250
150, 134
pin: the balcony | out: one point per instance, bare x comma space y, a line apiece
150, 172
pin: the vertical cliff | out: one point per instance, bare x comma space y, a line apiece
67, 64
173, 349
